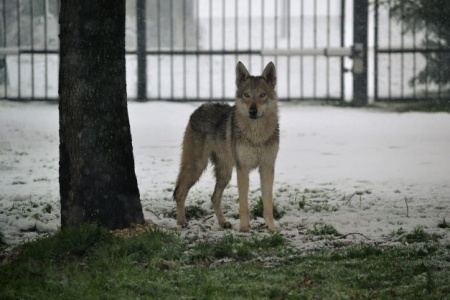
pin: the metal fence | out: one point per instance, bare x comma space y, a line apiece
29, 49
185, 50
402, 55
191, 47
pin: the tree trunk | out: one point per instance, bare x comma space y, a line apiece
97, 179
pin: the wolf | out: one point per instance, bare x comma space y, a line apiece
245, 135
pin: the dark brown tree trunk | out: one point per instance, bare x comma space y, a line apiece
97, 179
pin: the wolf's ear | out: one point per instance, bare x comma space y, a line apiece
241, 73
270, 74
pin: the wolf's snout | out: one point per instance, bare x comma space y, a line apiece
253, 112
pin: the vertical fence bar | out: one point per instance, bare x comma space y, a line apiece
390, 46
223, 48
18, 54
141, 50
302, 35
360, 32
414, 59
45, 49
197, 37
171, 48
315, 46
263, 12
158, 32
32, 48
236, 31
427, 74
402, 57
342, 29
375, 56
249, 26
5, 73
210, 48
328, 45
288, 13
184, 49
275, 35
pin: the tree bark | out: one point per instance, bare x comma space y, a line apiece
97, 178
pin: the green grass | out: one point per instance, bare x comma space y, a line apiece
89, 263
314, 200
417, 235
192, 212
443, 224
257, 210
323, 230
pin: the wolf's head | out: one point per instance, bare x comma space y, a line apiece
255, 94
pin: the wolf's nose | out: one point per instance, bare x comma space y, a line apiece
253, 113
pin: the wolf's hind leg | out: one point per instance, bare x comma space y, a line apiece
194, 160
222, 170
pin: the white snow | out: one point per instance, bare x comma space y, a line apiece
362, 171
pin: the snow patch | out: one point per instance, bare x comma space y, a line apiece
366, 173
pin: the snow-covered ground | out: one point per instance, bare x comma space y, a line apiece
362, 171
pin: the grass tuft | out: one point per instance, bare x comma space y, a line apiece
316, 201
323, 230
226, 247
355, 252
48, 208
192, 212
67, 242
443, 224
268, 242
236, 248
419, 235
258, 210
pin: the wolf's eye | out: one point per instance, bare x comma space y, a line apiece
246, 95
262, 95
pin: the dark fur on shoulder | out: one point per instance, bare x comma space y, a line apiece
211, 118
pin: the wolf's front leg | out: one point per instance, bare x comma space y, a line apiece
242, 178
267, 174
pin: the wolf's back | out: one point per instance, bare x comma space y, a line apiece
211, 118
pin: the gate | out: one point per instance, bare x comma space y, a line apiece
184, 50
406, 57
192, 47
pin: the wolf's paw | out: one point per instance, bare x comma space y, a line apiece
244, 229
271, 228
226, 225
182, 224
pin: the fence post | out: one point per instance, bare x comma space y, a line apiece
360, 32
141, 50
